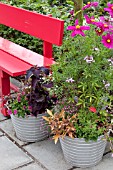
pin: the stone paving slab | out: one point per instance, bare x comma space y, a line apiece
8, 128
2, 117
105, 164
32, 166
10, 155
48, 154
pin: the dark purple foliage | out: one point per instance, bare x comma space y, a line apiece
38, 97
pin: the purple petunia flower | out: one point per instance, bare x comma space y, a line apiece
15, 112
9, 112
109, 9
77, 29
90, 4
107, 40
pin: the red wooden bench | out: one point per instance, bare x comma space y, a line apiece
14, 59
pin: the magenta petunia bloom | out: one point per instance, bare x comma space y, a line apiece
109, 9
71, 12
90, 4
15, 112
107, 40
19, 99
29, 108
9, 112
77, 29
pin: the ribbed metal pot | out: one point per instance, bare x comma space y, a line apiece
83, 154
30, 129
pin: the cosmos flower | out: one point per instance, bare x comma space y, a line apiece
109, 9
90, 4
89, 20
77, 29
107, 40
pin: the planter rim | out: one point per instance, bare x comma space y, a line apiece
82, 139
28, 116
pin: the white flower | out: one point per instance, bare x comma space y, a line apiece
111, 61
89, 59
70, 80
96, 49
107, 85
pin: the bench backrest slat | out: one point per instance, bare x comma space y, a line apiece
41, 26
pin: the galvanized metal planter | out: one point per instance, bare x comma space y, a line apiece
30, 129
83, 154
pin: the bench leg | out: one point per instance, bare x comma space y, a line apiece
5, 89
47, 53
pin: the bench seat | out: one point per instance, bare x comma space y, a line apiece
11, 65
15, 59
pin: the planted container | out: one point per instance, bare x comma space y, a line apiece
83, 154
30, 129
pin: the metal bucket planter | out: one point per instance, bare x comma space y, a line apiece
30, 129
83, 154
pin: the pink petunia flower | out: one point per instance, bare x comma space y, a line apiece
90, 4
19, 99
109, 9
107, 40
77, 29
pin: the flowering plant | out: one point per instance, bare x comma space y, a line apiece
33, 98
82, 78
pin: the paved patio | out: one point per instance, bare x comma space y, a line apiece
44, 155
